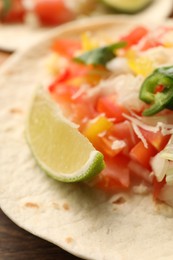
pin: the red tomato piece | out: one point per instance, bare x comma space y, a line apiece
104, 145
116, 175
77, 69
81, 112
66, 47
72, 72
139, 171
142, 155
159, 88
109, 106
124, 131
150, 43
53, 12
135, 36
64, 93
155, 139
62, 77
157, 186
15, 14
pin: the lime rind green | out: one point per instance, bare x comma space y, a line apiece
127, 6
57, 145
86, 173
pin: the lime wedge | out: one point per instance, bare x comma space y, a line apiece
57, 145
127, 6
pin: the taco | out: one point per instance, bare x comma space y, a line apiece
97, 221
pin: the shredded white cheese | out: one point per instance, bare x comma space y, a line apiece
140, 135
160, 126
117, 144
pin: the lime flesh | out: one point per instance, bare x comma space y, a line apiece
57, 145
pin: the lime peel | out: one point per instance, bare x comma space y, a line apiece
128, 6
88, 171
57, 145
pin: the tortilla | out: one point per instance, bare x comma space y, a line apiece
18, 36
83, 221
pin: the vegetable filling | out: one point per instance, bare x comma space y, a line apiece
120, 94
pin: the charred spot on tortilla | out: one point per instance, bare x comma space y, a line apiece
69, 240
15, 110
10, 72
66, 206
31, 205
9, 129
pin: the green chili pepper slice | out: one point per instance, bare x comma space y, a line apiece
158, 100
100, 56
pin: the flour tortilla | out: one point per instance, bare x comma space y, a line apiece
18, 36
83, 221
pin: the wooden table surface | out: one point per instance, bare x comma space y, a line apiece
17, 244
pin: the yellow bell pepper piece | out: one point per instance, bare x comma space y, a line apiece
140, 65
97, 126
88, 43
168, 44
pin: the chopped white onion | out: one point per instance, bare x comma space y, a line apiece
164, 128
167, 153
118, 65
139, 135
159, 166
162, 163
169, 179
118, 144
126, 88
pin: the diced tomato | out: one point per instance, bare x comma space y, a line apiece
53, 12
135, 36
82, 112
124, 131
109, 106
64, 93
150, 43
66, 47
70, 74
61, 91
139, 171
77, 69
62, 77
142, 155
159, 88
157, 186
115, 176
80, 69
16, 12
105, 146
158, 140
